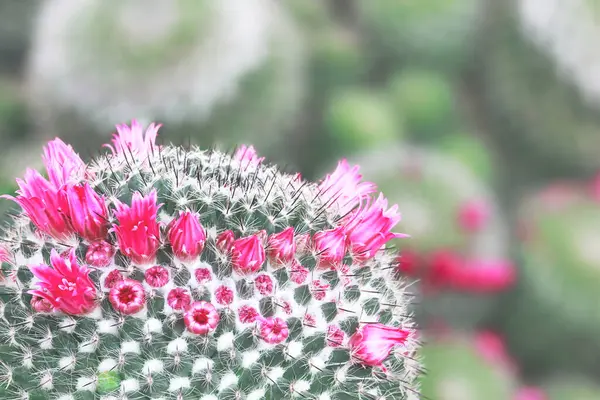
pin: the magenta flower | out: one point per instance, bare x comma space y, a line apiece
63, 165
138, 231
248, 254
344, 187
282, 246
201, 318
224, 295
132, 140
157, 276
484, 276
331, 246
179, 299
203, 275
273, 330
187, 236
369, 228
42, 203
127, 296
473, 215
247, 314
248, 157
373, 343
65, 284
86, 210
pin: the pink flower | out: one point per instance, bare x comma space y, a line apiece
201, 318
203, 275
330, 246
132, 140
247, 157
273, 330
370, 228
530, 393
224, 295
319, 289
248, 254
127, 296
187, 236
247, 314
112, 278
483, 276
282, 246
87, 211
64, 166
473, 215
373, 343
41, 305
138, 232
42, 202
157, 276
344, 187
225, 241
179, 299
66, 285
99, 254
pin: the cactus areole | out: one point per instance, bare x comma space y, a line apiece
160, 272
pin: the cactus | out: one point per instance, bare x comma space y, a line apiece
158, 272
559, 226
213, 70
436, 33
458, 245
458, 370
552, 130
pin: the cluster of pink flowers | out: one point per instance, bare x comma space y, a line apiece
65, 206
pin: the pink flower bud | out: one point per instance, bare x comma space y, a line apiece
264, 284
131, 141
99, 254
178, 299
248, 254
224, 295
41, 305
331, 247
203, 275
112, 278
87, 211
344, 187
157, 276
335, 336
187, 236
298, 273
201, 318
373, 343
127, 296
225, 241
273, 330
247, 314
282, 246
138, 231
473, 215
65, 284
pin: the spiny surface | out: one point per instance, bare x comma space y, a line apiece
205, 324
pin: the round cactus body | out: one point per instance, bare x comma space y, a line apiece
361, 119
158, 272
212, 70
438, 33
426, 101
457, 370
458, 242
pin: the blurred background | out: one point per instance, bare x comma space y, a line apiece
480, 118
